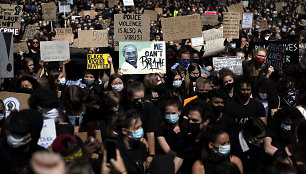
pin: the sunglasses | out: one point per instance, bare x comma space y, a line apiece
35, 42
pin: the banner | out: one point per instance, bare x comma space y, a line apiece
214, 41
47, 134
131, 27
14, 101
97, 61
63, 31
54, 50
30, 32
208, 19
92, 38
245, 4
280, 52
128, 2
49, 11
233, 63
142, 57
231, 24
22, 46
247, 20
6, 55
181, 27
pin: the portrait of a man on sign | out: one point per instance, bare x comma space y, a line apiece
130, 55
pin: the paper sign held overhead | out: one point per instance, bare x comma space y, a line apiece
128, 2
54, 50
214, 41
142, 57
47, 134
97, 61
92, 38
232, 63
247, 20
63, 31
197, 42
49, 11
231, 24
6, 55
208, 19
30, 32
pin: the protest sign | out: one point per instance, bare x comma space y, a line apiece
49, 11
263, 24
100, 6
47, 133
74, 17
245, 4
10, 17
131, 27
198, 41
152, 14
301, 9
63, 31
181, 27
64, 7
22, 46
210, 12
231, 24
233, 63
142, 57
247, 20
68, 37
90, 13
10, 21
84, 136
92, 38
208, 19
6, 55
8, 9
105, 23
128, 2
279, 6
14, 101
237, 8
214, 41
54, 50
280, 52
111, 3
30, 32
97, 61
159, 10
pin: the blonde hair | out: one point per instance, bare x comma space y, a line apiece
254, 71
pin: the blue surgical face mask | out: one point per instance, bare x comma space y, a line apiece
279, 24
89, 81
137, 134
62, 81
172, 118
44, 24
257, 27
177, 84
2, 116
233, 46
185, 62
284, 30
286, 127
224, 150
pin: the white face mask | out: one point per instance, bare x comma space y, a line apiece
263, 96
267, 37
49, 113
16, 141
62, 81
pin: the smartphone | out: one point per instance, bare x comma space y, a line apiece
91, 130
110, 149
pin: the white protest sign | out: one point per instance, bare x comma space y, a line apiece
233, 63
198, 41
6, 55
62, 8
47, 134
54, 50
128, 2
214, 41
245, 4
247, 20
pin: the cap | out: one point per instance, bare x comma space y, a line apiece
47, 98
62, 141
19, 123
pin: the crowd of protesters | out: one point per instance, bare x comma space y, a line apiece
191, 119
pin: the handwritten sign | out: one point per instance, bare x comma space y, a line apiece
63, 31
131, 27
214, 41
14, 101
90, 13
100, 6
237, 8
47, 134
68, 37
92, 38
211, 12
181, 27
97, 61
10, 21
263, 24
8, 9
232, 63
111, 3
30, 32
247, 20
64, 7
10, 17
54, 50
105, 23
6, 55
198, 41
231, 23
245, 4
22, 46
152, 14
49, 11
208, 19
128, 2
142, 57
159, 10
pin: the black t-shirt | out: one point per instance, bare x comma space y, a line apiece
225, 123
173, 139
241, 113
149, 117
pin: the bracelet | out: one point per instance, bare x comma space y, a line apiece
153, 155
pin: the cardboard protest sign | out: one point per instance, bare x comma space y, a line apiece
10, 21
237, 8
280, 52
63, 31
301, 9
245, 4
90, 13
100, 6
152, 14
231, 24
30, 32
142, 57
247, 20
68, 37
92, 38
6, 55
131, 27
8, 9
128, 2
54, 50
232, 63
97, 61
263, 24
159, 10
181, 27
14, 101
198, 41
22, 46
211, 12
64, 7
47, 133
49, 11
111, 3
105, 23
214, 41
279, 6
208, 19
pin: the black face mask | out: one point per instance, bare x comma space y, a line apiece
193, 78
194, 128
202, 95
229, 86
217, 109
196, 61
160, 88
244, 96
137, 104
25, 90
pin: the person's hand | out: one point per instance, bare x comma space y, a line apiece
118, 164
105, 167
120, 72
270, 69
148, 162
110, 59
41, 63
89, 148
66, 61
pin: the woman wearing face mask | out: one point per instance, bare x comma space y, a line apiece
174, 84
215, 149
27, 84
132, 150
115, 83
227, 77
170, 134
192, 73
